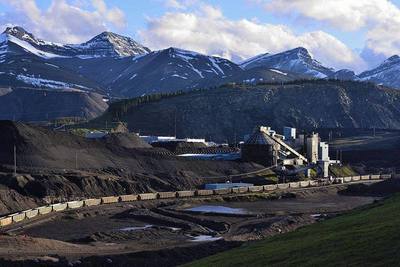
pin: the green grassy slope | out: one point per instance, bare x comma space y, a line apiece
365, 237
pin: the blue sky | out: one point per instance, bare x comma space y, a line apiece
138, 10
356, 34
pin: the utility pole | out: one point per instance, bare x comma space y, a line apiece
76, 160
175, 122
15, 160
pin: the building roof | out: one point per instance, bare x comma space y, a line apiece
260, 137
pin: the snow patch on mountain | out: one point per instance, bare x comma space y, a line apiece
40, 82
278, 71
6, 38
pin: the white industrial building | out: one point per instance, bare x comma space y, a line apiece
312, 147
153, 139
289, 133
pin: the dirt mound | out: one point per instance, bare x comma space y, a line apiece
40, 147
56, 166
174, 146
384, 188
126, 140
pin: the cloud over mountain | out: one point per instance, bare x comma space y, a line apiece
63, 21
209, 31
380, 19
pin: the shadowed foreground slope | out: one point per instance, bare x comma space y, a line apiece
369, 236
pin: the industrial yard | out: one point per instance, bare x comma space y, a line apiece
133, 200
101, 233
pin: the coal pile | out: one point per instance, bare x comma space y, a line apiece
60, 165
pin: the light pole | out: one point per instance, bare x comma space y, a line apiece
15, 160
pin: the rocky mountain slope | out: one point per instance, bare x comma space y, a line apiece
297, 60
27, 104
115, 65
106, 44
22, 64
344, 75
223, 113
386, 73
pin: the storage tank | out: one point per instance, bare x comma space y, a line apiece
260, 148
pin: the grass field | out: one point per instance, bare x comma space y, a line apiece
341, 171
369, 236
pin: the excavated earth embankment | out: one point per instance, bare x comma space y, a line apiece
54, 166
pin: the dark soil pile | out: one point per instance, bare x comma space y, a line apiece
384, 188
56, 166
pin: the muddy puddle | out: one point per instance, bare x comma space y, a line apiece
204, 238
218, 209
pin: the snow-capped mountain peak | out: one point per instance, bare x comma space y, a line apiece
248, 61
18, 40
22, 34
297, 60
112, 44
386, 73
106, 44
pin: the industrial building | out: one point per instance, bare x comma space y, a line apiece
260, 147
312, 147
156, 139
289, 133
266, 147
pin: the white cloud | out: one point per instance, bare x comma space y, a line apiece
380, 19
62, 21
208, 31
174, 4
179, 4
348, 15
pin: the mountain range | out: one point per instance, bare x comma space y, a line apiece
116, 66
119, 66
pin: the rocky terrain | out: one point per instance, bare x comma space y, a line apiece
297, 60
223, 113
166, 232
33, 104
58, 166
